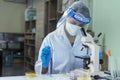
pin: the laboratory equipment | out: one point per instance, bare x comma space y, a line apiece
114, 67
96, 38
94, 57
86, 58
80, 74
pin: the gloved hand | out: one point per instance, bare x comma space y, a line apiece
45, 56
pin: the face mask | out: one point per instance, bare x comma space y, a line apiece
72, 29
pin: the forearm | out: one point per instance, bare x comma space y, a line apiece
44, 70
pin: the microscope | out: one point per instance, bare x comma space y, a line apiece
91, 62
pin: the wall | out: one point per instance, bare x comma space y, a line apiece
11, 17
106, 15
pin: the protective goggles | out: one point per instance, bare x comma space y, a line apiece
78, 17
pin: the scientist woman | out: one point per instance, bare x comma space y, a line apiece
59, 48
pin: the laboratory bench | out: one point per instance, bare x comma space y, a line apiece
41, 77
47, 77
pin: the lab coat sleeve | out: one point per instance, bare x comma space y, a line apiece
38, 64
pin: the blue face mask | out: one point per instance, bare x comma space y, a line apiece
73, 30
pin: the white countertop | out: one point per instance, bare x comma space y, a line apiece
45, 77
41, 77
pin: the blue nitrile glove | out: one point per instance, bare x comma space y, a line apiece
45, 56
100, 55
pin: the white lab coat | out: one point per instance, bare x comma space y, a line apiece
63, 54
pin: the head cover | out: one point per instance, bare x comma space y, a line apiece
78, 11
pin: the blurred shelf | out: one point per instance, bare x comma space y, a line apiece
52, 19
29, 33
29, 44
31, 63
28, 21
29, 38
60, 12
32, 58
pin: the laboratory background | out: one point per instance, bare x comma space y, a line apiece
25, 23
